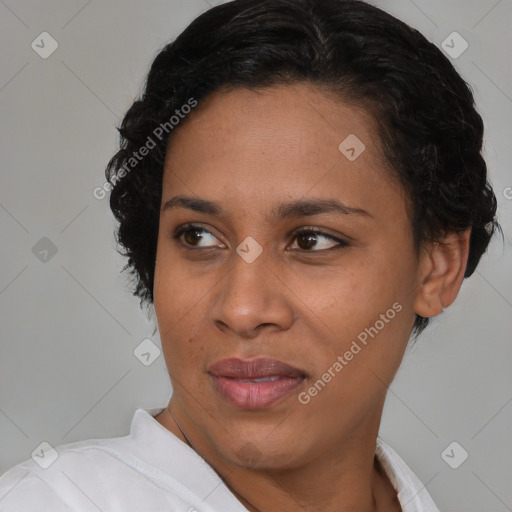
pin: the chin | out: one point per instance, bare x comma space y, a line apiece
262, 452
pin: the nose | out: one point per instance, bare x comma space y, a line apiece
251, 296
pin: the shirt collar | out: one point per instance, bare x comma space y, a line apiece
160, 448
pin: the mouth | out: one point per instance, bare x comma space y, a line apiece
256, 383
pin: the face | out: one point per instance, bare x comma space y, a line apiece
274, 270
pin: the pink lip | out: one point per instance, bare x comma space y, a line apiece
232, 378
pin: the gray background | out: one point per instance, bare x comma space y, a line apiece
69, 324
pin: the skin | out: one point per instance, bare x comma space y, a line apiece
251, 151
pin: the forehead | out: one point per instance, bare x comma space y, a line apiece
301, 117
287, 140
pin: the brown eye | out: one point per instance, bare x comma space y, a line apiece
309, 238
192, 236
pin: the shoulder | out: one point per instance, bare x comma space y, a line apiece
56, 479
99, 474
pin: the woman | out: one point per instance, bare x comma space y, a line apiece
299, 188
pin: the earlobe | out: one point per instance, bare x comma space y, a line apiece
442, 268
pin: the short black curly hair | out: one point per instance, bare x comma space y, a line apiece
430, 131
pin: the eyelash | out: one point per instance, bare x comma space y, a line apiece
197, 227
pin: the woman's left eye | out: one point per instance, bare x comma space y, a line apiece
311, 236
308, 237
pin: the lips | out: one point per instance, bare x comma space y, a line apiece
255, 383
254, 369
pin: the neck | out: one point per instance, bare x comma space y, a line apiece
348, 477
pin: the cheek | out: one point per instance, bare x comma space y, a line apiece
366, 301
174, 294
350, 295
171, 303
179, 304
355, 369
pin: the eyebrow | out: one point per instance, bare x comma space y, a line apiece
292, 209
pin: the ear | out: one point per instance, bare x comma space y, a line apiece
441, 272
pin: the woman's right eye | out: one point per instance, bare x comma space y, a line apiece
189, 234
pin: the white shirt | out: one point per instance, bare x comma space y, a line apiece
150, 470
